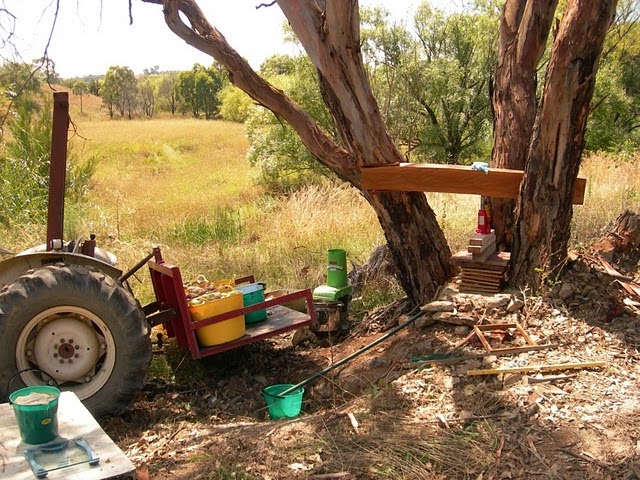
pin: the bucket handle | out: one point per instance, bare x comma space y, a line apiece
53, 380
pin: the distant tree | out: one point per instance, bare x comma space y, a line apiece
151, 71
80, 88
167, 92
147, 88
20, 85
94, 86
48, 68
198, 90
118, 91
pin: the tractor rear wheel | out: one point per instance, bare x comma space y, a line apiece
79, 326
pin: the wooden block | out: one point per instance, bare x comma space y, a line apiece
485, 254
498, 261
426, 177
481, 249
480, 239
471, 273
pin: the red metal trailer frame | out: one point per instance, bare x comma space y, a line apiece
170, 310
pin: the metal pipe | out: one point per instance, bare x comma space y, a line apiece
139, 265
57, 168
353, 355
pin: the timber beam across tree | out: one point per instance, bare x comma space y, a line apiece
427, 177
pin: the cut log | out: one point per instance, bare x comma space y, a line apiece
426, 177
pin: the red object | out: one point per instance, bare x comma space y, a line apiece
483, 222
173, 313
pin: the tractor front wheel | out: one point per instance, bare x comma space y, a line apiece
79, 326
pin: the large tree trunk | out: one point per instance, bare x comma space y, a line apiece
543, 215
329, 32
524, 28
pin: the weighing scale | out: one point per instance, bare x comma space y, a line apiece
60, 454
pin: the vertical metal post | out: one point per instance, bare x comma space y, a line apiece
58, 167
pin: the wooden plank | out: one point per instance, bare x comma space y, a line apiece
467, 284
480, 276
537, 368
498, 261
426, 177
481, 280
481, 337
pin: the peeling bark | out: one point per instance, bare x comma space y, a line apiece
544, 211
524, 29
329, 32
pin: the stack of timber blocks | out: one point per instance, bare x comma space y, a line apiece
482, 267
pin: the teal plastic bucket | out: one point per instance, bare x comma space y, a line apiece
252, 294
37, 422
288, 406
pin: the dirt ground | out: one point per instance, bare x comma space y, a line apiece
409, 408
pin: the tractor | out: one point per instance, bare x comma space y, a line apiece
69, 317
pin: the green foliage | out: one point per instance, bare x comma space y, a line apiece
26, 152
147, 94
276, 149
20, 85
614, 124
434, 88
234, 104
24, 165
198, 90
118, 91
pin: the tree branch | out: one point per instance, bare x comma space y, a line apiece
206, 38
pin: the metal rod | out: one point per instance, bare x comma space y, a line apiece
57, 167
353, 355
138, 266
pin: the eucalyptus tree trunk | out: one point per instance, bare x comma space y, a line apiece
524, 29
329, 32
543, 214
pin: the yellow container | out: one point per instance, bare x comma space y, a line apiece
221, 332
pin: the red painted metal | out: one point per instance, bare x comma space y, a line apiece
168, 287
58, 167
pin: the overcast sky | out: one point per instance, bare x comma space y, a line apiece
92, 35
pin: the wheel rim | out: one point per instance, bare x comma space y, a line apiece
72, 345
